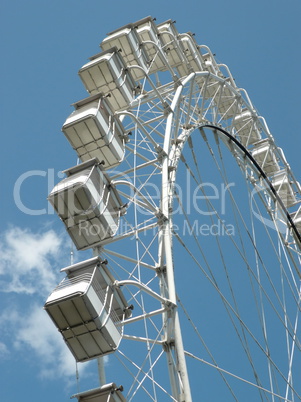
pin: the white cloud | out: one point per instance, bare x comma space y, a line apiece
30, 266
37, 333
4, 352
34, 334
29, 262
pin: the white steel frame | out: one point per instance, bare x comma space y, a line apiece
185, 106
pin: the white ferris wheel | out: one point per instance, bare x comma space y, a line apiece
193, 216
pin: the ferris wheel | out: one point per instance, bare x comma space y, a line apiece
193, 215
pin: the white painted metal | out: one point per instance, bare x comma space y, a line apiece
88, 204
148, 34
228, 104
146, 289
246, 125
106, 393
296, 217
163, 118
210, 62
133, 53
94, 132
106, 73
191, 51
284, 188
171, 46
181, 391
85, 308
265, 156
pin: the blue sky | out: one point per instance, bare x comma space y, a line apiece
43, 45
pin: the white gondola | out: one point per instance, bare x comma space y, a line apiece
191, 51
296, 217
148, 34
209, 62
245, 124
127, 41
169, 41
88, 204
94, 131
210, 87
86, 308
265, 157
284, 189
228, 103
106, 393
107, 73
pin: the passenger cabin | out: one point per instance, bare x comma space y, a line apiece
265, 156
209, 62
88, 204
227, 102
171, 46
128, 43
148, 34
86, 308
296, 218
94, 132
284, 189
106, 393
246, 126
191, 51
106, 72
